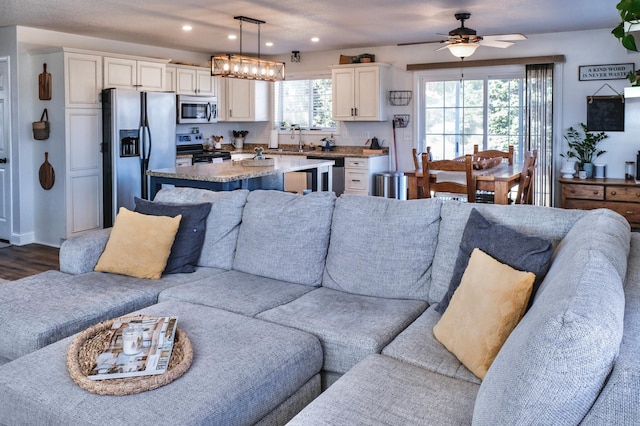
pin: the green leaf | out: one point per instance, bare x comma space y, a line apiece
619, 30
629, 42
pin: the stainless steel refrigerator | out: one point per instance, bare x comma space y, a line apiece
139, 134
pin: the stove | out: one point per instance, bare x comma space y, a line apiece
192, 144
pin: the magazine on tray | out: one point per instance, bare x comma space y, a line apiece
139, 347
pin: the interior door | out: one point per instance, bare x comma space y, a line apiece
5, 146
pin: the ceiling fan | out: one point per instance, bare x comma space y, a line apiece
463, 41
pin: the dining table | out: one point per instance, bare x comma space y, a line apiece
498, 179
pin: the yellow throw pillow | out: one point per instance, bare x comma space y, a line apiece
484, 310
139, 245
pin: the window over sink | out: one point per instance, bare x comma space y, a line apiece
306, 103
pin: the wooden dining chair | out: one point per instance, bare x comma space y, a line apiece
488, 197
416, 164
462, 189
525, 187
494, 153
417, 157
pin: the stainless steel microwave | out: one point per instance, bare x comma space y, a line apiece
197, 109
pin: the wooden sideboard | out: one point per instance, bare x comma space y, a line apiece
619, 195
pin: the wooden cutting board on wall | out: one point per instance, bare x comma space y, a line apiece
46, 174
44, 84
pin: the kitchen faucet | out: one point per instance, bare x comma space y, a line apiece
293, 136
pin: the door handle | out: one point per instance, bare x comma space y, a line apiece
3, 161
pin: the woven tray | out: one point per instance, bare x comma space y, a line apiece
86, 347
252, 162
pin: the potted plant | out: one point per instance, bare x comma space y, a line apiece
634, 78
583, 146
629, 14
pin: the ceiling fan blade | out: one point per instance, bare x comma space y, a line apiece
411, 43
441, 48
496, 43
506, 37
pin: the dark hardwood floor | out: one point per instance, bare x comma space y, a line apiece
21, 261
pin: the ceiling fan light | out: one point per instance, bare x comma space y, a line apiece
462, 50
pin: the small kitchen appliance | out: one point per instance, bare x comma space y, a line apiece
196, 109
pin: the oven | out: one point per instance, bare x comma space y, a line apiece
191, 144
196, 109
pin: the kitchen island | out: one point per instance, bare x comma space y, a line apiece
231, 175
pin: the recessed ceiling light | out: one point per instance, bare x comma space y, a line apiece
232, 36
268, 44
315, 39
187, 27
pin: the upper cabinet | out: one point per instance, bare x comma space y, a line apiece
127, 73
83, 80
358, 92
245, 100
192, 81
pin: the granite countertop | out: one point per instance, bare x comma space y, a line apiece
339, 151
229, 171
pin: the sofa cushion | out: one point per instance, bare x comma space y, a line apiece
223, 222
554, 364
486, 307
243, 369
285, 236
545, 222
139, 245
417, 345
238, 292
349, 326
508, 246
79, 254
383, 391
382, 247
187, 245
618, 401
41, 309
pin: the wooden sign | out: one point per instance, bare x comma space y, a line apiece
605, 72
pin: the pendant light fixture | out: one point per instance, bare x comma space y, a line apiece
239, 66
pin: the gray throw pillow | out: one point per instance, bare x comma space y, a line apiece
187, 245
506, 245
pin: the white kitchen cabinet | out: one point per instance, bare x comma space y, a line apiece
83, 133
359, 173
359, 92
170, 80
128, 73
194, 81
82, 175
83, 80
245, 100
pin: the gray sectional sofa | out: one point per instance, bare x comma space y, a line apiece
316, 310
